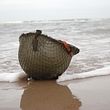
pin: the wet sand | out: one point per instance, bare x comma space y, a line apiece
82, 94
94, 93
37, 95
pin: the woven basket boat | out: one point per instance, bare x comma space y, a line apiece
42, 57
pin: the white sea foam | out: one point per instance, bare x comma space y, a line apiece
97, 72
11, 77
11, 22
14, 77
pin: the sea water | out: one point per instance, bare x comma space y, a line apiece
91, 36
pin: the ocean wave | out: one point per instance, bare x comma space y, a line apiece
98, 72
11, 22
11, 77
14, 77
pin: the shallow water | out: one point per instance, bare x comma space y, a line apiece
37, 95
92, 36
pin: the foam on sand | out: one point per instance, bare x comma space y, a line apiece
12, 77
98, 72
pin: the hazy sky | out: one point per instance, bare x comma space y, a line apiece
53, 9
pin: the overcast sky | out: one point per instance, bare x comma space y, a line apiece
14, 10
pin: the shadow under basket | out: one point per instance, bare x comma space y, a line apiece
42, 57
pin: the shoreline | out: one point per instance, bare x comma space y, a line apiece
83, 94
94, 93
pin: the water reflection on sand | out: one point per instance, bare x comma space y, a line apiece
48, 95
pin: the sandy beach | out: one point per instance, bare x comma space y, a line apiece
91, 36
94, 93
84, 94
